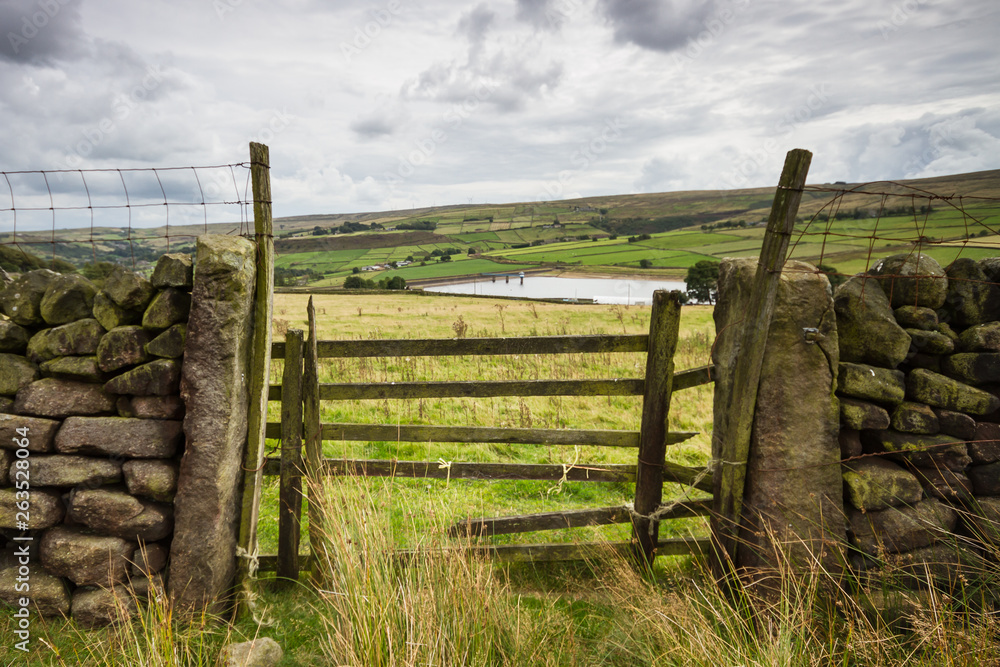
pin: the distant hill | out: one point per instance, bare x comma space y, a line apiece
657, 232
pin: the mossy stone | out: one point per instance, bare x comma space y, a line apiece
173, 270
13, 337
901, 529
910, 417
945, 328
972, 299
68, 298
21, 299
930, 342
16, 372
981, 338
924, 386
111, 315
925, 451
915, 317
871, 383
128, 289
123, 347
76, 338
973, 367
860, 415
73, 368
156, 378
867, 331
912, 279
874, 484
170, 343
170, 306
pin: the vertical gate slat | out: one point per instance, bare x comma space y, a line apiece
290, 499
313, 443
664, 324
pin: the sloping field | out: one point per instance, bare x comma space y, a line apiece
353, 241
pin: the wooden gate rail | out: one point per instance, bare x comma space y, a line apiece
490, 389
604, 472
568, 519
650, 471
480, 434
457, 347
531, 553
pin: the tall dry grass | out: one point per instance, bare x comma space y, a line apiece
442, 605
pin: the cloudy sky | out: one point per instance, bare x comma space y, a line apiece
387, 104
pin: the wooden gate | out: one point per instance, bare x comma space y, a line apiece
301, 435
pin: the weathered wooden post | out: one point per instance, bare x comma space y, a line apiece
731, 444
290, 489
664, 324
253, 467
313, 444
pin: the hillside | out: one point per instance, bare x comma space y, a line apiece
659, 234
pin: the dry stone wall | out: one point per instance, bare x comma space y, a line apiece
919, 389
89, 384
914, 350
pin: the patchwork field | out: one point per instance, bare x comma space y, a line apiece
666, 234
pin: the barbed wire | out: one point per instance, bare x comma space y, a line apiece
112, 209
893, 218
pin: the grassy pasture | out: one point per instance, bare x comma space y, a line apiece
457, 609
412, 316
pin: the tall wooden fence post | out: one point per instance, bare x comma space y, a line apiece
313, 446
290, 488
253, 463
731, 446
663, 327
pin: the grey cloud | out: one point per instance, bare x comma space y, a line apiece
542, 14
504, 79
40, 32
932, 145
371, 128
657, 25
475, 24
521, 83
504, 82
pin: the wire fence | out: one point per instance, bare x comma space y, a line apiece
128, 216
847, 230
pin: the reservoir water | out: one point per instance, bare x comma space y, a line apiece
600, 290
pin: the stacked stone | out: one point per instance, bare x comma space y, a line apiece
91, 379
918, 387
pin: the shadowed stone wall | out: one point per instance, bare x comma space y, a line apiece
133, 457
916, 354
89, 381
919, 388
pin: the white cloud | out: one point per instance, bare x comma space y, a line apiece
494, 101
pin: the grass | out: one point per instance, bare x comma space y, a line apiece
407, 315
448, 607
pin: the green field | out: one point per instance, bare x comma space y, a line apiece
453, 608
703, 226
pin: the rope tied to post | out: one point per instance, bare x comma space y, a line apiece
662, 511
445, 465
566, 468
258, 613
